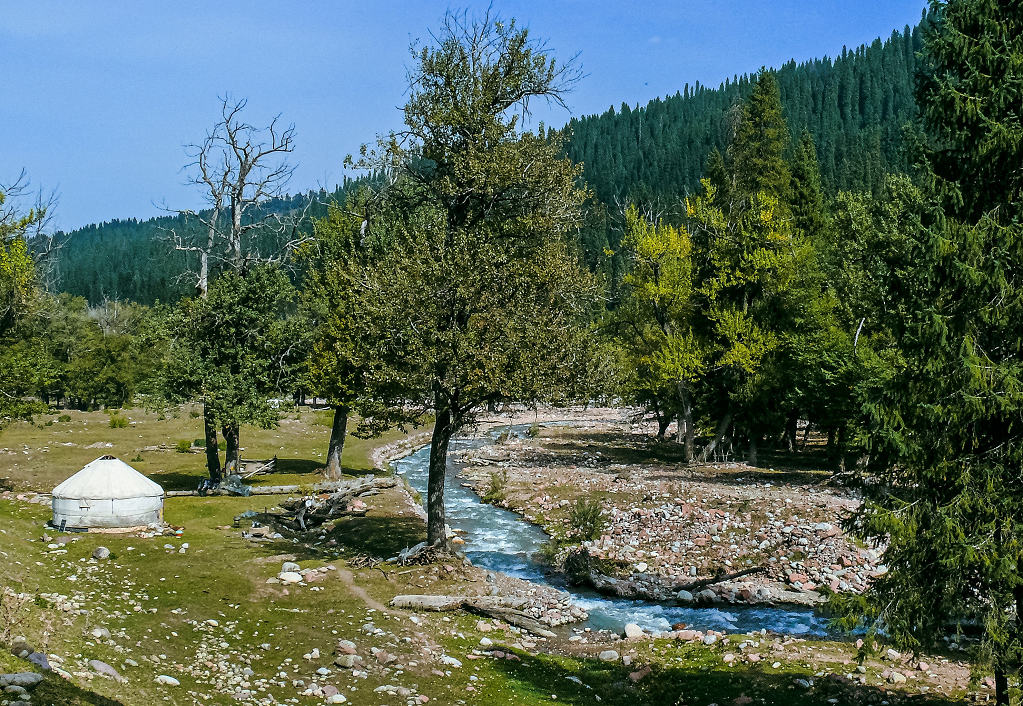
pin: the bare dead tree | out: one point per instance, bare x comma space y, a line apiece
239, 168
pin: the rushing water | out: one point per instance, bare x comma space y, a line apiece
501, 540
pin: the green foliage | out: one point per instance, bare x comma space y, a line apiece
497, 488
118, 422
237, 349
944, 440
199, 443
586, 519
183, 446
64, 418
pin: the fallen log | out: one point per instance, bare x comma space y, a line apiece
314, 511
500, 607
720, 578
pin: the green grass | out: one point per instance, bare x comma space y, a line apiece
156, 601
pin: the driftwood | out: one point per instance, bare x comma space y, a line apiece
507, 609
315, 510
332, 487
264, 466
721, 578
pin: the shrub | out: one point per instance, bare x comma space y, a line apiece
498, 485
117, 421
586, 518
193, 413
138, 457
183, 446
49, 422
534, 430
199, 443
64, 418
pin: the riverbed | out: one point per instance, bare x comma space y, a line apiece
502, 541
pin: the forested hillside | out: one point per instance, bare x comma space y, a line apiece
855, 107
135, 260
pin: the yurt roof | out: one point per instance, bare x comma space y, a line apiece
107, 478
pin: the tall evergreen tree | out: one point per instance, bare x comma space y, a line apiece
946, 444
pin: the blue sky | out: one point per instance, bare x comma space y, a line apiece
101, 95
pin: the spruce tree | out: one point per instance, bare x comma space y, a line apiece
946, 441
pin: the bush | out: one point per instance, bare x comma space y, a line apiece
117, 421
534, 430
194, 413
586, 519
64, 418
498, 485
199, 443
49, 422
183, 446
138, 457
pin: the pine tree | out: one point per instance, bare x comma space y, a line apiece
946, 442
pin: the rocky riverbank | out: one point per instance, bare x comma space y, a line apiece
671, 531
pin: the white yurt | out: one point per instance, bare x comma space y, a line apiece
107, 493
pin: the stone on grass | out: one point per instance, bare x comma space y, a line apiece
169, 681
897, 678
105, 669
23, 679
290, 566
608, 656
289, 577
633, 631
337, 699
100, 553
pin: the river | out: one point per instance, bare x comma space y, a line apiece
501, 540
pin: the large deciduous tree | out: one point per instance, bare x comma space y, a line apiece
478, 290
946, 442
235, 350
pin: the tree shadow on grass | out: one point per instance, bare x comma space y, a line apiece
54, 690
696, 685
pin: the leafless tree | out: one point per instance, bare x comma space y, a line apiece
239, 167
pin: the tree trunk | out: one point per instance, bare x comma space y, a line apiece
1001, 687
751, 451
337, 442
662, 425
212, 446
230, 432
719, 435
791, 430
685, 418
436, 533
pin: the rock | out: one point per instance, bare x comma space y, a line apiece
337, 699
289, 577
806, 684
728, 658
707, 596
20, 646
633, 631
105, 669
450, 661
924, 667
290, 566
710, 639
25, 680
688, 635
168, 681
608, 656
15, 690
639, 674
897, 678
346, 647
685, 596
100, 553
641, 567
893, 655
486, 642
100, 633
484, 626
39, 660
347, 661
